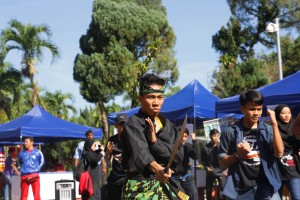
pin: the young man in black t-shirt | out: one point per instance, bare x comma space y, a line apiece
247, 148
117, 176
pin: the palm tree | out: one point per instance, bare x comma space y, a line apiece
57, 104
30, 40
10, 90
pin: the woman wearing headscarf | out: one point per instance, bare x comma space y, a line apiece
92, 155
287, 165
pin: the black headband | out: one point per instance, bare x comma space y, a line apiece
150, 90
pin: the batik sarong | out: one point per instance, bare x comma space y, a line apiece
147, 189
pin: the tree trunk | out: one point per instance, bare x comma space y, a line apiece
34, 91
41, 101
104, 119
134, 98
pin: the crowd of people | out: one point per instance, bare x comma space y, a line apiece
250, 158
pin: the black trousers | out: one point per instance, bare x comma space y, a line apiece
114, 191
210, 179
190, 188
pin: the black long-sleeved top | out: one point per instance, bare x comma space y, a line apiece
138, 153
117, 174
190, 151
91, 158
209, 157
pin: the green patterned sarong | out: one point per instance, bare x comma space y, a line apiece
147, 189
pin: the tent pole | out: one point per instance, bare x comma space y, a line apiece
195, 161
21, 146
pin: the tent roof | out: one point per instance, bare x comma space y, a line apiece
285, 91
193, 100
43, 127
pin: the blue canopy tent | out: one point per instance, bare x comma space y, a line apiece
285, 91
193, 100
44, 127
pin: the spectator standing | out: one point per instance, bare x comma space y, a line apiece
209, 157
289, 172
10, 169
183, 170
78, 153
92, 156
148, 140
114, 150
31, 161
248, 148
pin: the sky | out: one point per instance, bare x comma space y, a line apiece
194, 23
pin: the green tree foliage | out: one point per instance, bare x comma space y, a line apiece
248, 23
123, 35
30, 40
10, 80
59, 152
290, 54
124, 40
16, 97
243, 76
172, 90
59, 104
228, 42
23, 104
257, 13
236, 43
269, 66
88, 116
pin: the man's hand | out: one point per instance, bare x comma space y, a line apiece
158, 170
272, 117
163, 177
193, 136
109, 149
151, 135
95, 146
243, 148
225, 172
209, 169
15, 169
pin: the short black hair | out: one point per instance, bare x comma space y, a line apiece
88, 132
213, 131
29, 138
187, 131
149, 79
251, 96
